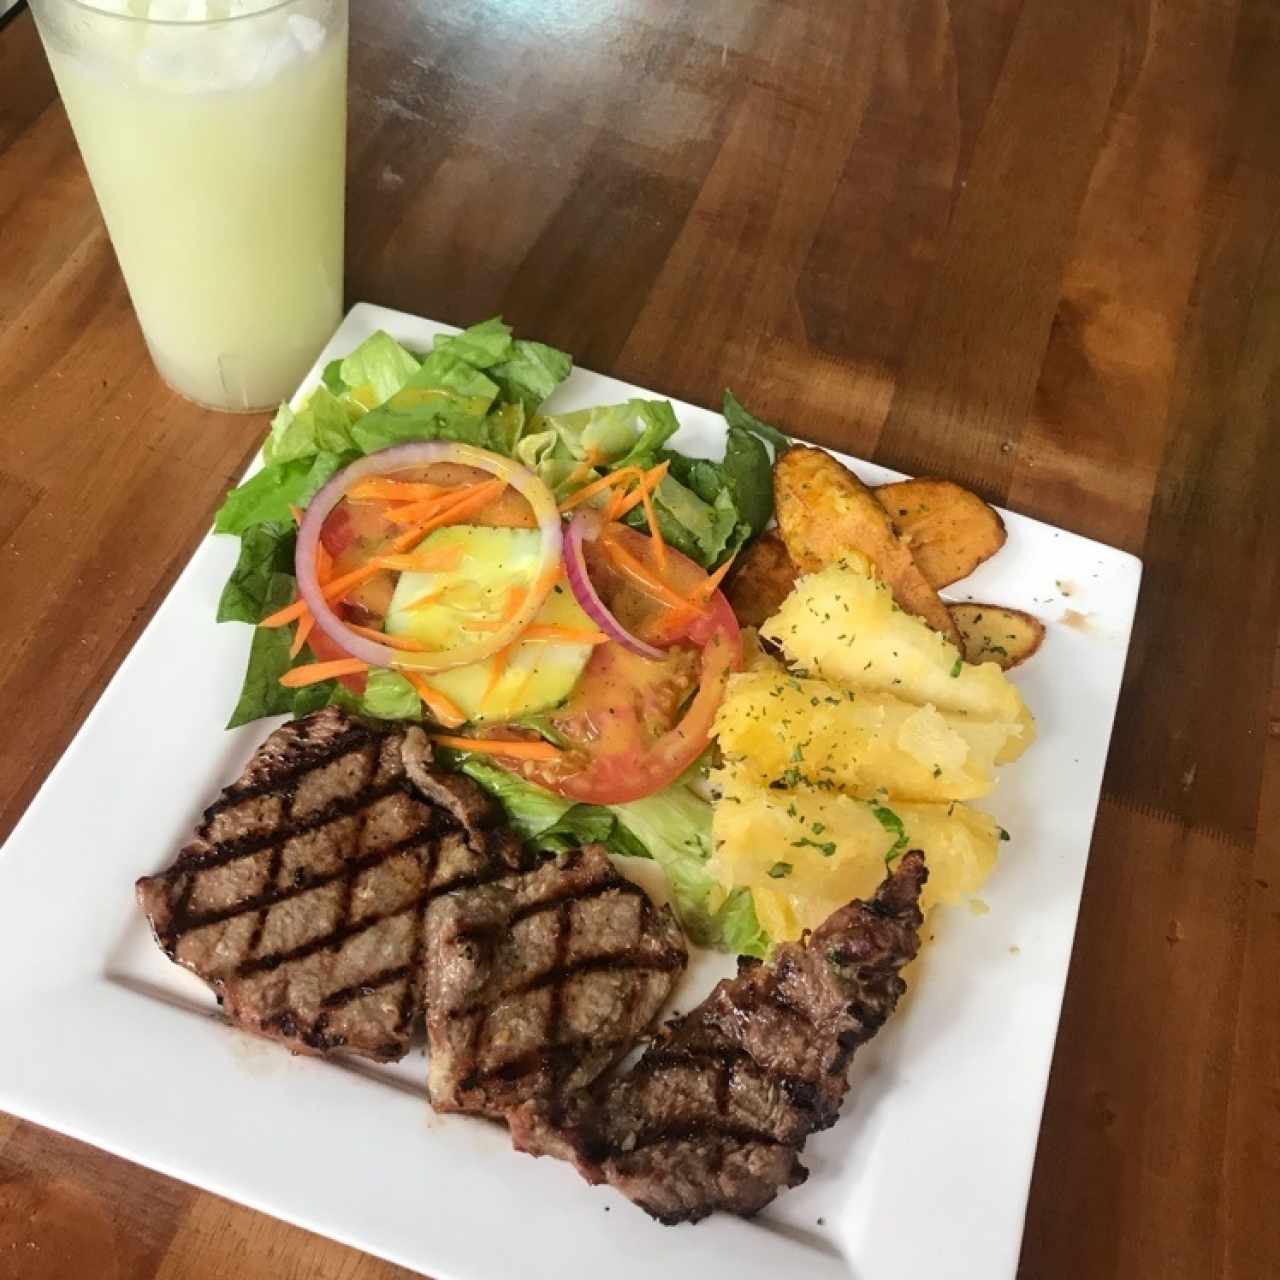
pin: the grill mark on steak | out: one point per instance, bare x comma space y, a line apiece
559, 974
336, 999
285, 780
691, 1131
729, 1060
408, 1003
225, 851
540, 980
716, 1112
300, 899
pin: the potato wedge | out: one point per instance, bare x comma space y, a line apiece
825, 511
949, 530
761, 580
994, 633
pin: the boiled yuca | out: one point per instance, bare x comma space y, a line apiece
805, 852
783, 730
845, 627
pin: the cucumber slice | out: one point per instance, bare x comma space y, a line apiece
492, 561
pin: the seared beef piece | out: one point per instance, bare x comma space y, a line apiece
716, 1111
539, 981
302, 896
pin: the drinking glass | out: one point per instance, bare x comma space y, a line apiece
214, 132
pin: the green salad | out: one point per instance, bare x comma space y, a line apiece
486, 388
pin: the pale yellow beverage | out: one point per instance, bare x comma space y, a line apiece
214, 132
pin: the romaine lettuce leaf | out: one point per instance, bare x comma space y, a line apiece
322, 424
613, 433
505, 426
446, 399
271, 493
262, 694
265, 550
482, 346
735, 925
544, 820
748, 473
705, 531
375, 370
389, 696
531, 373
736, 416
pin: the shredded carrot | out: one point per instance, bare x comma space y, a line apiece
434, 559
431, 507
445, 710
392, 642
652, 479
305, 623
314, 672
467, 505
499, 747
339, 587
296, 512
501, 660
620, 495
658, 546
705, 590
515, 598
290, 613
384, 490
583, 469
645, 577
599, 486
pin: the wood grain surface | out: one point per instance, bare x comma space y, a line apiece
1030, 244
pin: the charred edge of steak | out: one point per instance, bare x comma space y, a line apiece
715, 1113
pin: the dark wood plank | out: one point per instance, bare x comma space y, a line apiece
29, 86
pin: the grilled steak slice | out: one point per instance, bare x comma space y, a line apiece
715, 1113
301, 899
539, 981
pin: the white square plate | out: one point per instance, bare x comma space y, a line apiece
112, 1044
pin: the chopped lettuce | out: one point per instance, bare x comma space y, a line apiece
377, 369
262, 694
265, 551
748, 473
706, 530
271, 494
389, 696
738, 418
531, 373
446, 399
735, 926
322, 424
543, 820
482, 346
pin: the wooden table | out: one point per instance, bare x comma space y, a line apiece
1031, 244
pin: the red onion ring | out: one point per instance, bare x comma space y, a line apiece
585, 527
396, 458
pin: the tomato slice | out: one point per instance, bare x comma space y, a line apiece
628, 728
325, 650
